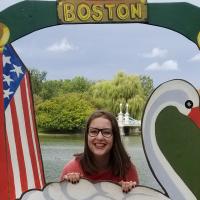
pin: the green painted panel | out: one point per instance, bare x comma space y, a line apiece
179, 140
28, 16
180, 17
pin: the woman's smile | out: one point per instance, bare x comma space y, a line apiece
98, 144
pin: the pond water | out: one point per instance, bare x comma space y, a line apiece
57, 150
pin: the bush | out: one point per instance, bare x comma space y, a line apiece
66, 112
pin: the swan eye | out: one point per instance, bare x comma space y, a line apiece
188, 104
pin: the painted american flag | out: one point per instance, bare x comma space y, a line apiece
22, 167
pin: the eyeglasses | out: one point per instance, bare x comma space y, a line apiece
106, 132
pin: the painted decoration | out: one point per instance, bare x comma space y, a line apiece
171, 119
21, 162
89, 11
86, 190
30, 16
170, 131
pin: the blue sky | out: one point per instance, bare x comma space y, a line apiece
100, 51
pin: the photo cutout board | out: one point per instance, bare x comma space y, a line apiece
170, 122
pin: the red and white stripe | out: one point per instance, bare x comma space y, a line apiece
24, 151
4, 184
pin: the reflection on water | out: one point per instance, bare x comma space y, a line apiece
57, 150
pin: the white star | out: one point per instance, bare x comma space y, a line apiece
6, 59
7, 93
7, 79
17, 70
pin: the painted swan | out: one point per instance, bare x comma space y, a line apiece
184, 97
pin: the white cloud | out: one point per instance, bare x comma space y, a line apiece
61, 46
156, 52
196, 57
169, 65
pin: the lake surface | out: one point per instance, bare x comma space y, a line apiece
57, 150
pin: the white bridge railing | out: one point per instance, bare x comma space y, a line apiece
129, 122
124, 120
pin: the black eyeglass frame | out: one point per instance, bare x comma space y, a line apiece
100, 130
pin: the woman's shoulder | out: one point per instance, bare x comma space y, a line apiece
73, 163
72, 166
132, 174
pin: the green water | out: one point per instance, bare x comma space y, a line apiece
57, 150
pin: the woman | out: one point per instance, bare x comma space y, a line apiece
104, 157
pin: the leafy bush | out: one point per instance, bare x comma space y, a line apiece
66, 112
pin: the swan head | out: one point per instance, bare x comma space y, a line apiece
162, 147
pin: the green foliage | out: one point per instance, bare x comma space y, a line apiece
37, 100
51, 88
65, 104
80, 84
66, 112
122, 89
54, 88
147, 84
37, 79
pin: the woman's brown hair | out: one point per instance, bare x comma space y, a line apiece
119, 159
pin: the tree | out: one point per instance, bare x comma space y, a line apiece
147, 84
51, 89
80, 84
54, 88
37, 78
122, 89
64, 113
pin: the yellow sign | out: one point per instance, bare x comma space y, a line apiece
97, 11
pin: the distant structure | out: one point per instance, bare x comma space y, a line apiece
125, 122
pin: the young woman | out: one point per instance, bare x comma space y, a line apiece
104, 157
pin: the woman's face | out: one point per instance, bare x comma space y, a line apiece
100, 137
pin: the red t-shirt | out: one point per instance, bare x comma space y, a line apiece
106, 175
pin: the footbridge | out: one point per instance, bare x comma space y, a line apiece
126, 122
